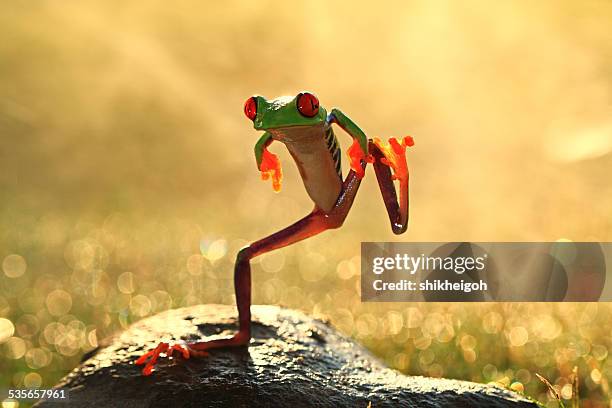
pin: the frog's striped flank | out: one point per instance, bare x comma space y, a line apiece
334, 149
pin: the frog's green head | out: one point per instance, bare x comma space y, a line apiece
286, 111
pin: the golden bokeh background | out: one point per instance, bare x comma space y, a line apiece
128, 181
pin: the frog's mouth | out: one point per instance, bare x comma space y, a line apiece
296, 134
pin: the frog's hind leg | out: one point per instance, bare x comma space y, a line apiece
396, 209
315, 222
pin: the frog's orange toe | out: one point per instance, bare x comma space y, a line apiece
141, 360
161, 347
151, 357
148, 370
181, 349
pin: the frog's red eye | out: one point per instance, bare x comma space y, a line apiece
307, 104
250, 108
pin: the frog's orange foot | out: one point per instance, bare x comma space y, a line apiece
395, 156
149, 359
270, 167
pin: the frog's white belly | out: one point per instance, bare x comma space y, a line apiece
308, 147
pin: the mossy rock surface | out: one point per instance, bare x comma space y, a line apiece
293, 361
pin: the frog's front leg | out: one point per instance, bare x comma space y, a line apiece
315, 222
358, 151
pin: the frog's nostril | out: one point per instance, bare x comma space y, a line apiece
250, 108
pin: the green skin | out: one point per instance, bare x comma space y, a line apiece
312, 144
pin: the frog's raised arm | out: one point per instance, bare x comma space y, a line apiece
358, 152
336, 116
263, 142
268, 163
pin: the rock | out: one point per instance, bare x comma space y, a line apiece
292, 361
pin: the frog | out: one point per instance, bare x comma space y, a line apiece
305, 128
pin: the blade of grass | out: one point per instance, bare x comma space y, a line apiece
551, 389
575, 388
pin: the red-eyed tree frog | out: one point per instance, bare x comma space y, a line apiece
305, 128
